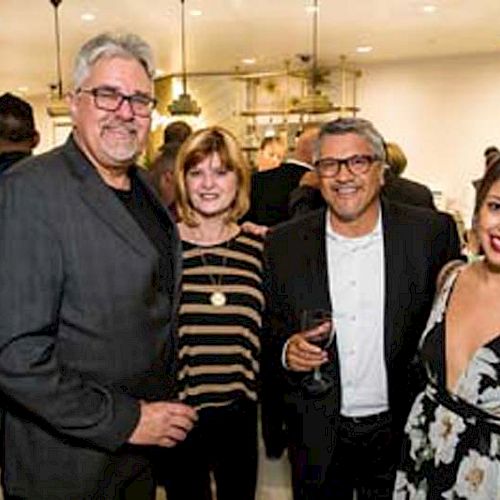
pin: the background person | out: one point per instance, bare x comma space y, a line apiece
219, 322
162, 168
271, 188
400, 189
450, 442
90, 269
270, 154
18, 136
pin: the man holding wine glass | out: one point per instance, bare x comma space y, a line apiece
371, 266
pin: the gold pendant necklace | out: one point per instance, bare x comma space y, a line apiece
217, 297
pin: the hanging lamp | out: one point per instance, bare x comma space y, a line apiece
314, 101
57, 106
184, 104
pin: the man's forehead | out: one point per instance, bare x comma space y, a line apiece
117, 70
347, 140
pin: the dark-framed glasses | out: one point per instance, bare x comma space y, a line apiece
110, 99
356, 164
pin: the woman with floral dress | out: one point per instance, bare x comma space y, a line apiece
451, 446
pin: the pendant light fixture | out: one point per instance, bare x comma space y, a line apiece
57, 106
184, 105
314, 101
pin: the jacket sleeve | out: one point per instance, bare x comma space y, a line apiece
33, 375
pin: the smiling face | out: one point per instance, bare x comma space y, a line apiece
488, 225
211, 187
111, 140
353, 199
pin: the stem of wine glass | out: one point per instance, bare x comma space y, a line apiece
317, 374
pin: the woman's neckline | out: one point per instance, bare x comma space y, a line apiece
188, 235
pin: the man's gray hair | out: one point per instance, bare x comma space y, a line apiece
358, 126
126, 45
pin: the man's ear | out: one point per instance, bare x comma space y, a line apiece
35, 140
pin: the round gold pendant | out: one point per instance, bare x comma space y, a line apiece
218, 299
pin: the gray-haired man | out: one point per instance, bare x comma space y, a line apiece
373, 263
89, 276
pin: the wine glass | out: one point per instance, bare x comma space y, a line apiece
317, 383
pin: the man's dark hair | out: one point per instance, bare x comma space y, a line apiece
176, 133
16, 119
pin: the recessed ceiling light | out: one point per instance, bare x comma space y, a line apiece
429, 9
195, 12
249, 60
364, 49
311, 9
87, 17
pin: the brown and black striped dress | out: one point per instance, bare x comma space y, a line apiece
219, 345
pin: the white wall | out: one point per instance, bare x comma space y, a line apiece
443, 112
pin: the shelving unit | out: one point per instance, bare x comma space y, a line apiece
280, 103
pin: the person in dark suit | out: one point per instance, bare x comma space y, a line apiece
89, 285
307, 197
373, 264
18, 135
271, 188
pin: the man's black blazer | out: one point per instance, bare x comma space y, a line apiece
85, 332
417, 243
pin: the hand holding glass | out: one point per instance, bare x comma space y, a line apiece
317, 383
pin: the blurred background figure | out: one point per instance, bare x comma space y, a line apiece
271, 188
162, 169
400, 189
18, 136
271, 153
176, 132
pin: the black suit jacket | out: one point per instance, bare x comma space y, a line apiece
417, 243
84, 331
270, 191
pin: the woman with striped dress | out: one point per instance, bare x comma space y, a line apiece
219, 322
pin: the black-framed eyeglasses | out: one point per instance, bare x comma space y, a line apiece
356, 165
110, 99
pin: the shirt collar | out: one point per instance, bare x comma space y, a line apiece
373, 235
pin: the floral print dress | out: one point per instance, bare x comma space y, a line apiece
451, 445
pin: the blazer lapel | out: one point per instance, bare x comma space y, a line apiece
105, 204
314, 249
394, 256
177, 247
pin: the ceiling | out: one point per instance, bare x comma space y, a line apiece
227, 31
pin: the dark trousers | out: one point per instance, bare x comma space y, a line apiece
364, 459
222, 444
